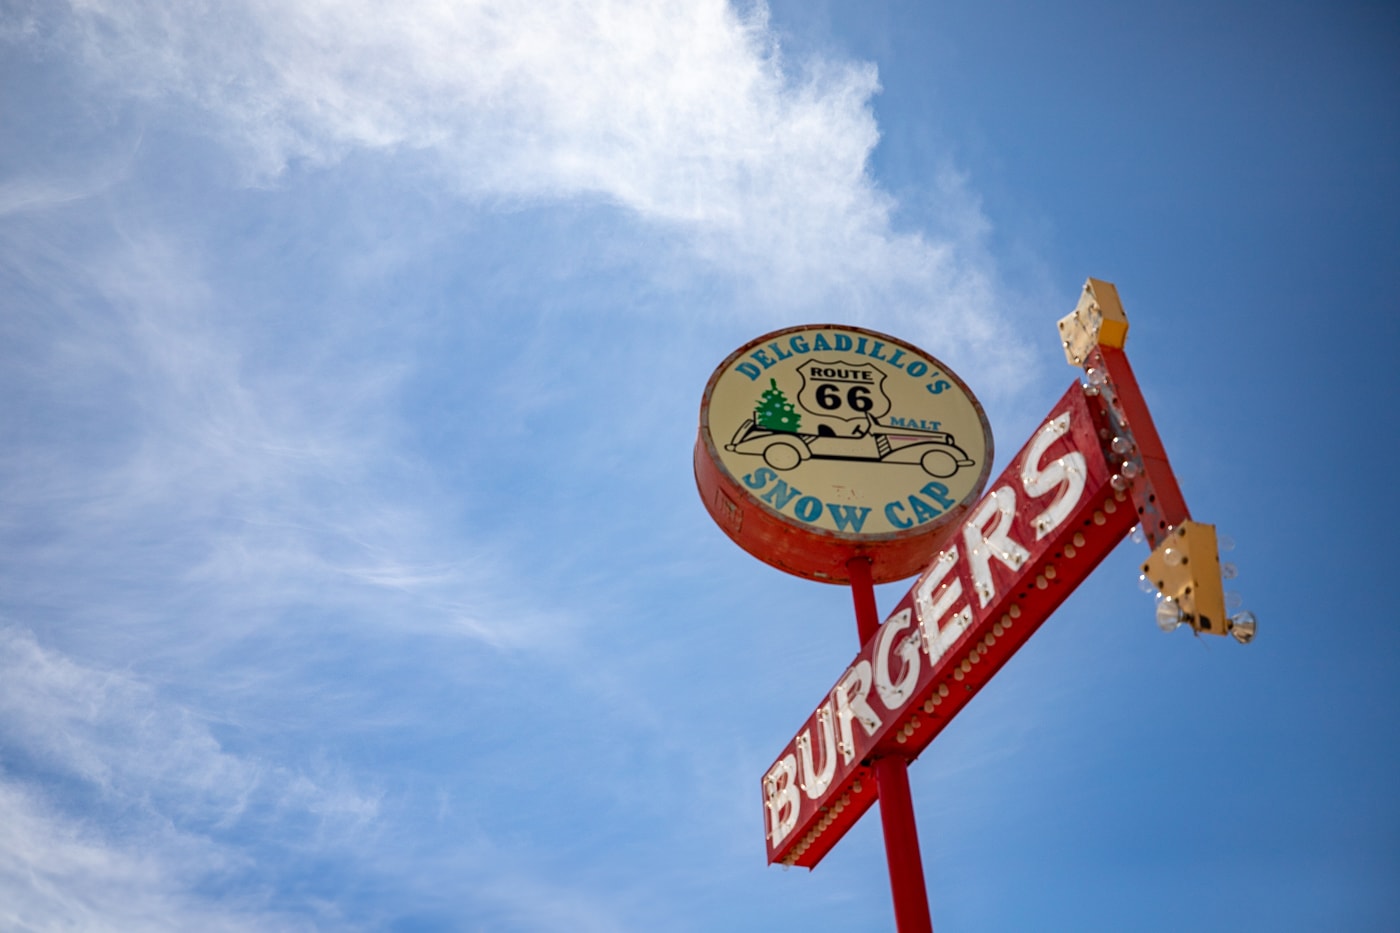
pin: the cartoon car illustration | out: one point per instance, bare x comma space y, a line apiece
935, 451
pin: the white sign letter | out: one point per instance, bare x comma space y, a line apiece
851, 703
780, 797
1068, 472
932, 609
894, 695
813, 783
981, 547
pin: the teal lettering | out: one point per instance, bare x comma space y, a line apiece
938, 493
900, 423
759, 478
922, 510
778, 350
808, 508
820, 343
749, 369
844, 515
894, 360
762, 358
782, 493
860, 347
937, 387
875, 351
890, 516
843, 342
799, 344
916, 368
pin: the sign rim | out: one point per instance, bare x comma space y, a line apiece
837, 547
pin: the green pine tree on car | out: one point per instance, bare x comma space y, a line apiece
775, 412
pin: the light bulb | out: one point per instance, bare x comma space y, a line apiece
1229, 571
1130, 469
1146, 585
1233, 600
1121, 445
1096, 377
1242, 626
1138, 535
1172, 557
1225, 542
1169, 615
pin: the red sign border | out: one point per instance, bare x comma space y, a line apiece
1023, 601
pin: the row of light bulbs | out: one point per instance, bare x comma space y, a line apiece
1170, 616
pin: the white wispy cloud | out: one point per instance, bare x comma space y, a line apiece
199, 499
187, 524
104, 742
185, 468
109, 730
686, 114
56, 874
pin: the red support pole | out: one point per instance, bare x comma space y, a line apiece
863, 592
911, 913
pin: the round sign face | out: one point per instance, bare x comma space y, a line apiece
823, 443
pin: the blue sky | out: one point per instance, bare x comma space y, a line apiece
352, 575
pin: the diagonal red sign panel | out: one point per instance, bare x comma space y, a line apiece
1046, 523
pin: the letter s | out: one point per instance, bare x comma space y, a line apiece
1067, 473
759, 478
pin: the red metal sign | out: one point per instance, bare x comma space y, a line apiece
826, 443
1046, 522
1093, 469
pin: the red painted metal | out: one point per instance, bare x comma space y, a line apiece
1156, 494
863, 595
1023, 598
910, 895
911, 913
960, 623
813, 553
805, 550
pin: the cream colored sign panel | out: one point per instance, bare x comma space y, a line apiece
848, 430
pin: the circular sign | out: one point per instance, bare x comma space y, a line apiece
823, 443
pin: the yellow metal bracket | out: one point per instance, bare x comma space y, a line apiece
1185, 568
1097, 320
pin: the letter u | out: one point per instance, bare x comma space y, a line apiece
815, 784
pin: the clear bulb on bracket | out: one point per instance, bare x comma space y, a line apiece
1146, 585
1229, 571
1138, 535
1243, 626
1169, 615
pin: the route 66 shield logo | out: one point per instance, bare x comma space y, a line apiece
845, 399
